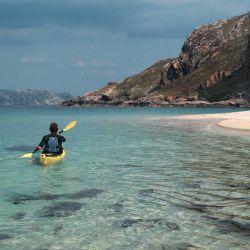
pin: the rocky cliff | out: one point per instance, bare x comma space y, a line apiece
212, 68
32, 97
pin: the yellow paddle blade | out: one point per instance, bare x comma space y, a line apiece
28, 155
70, 126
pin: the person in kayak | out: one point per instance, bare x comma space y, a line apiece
52, 143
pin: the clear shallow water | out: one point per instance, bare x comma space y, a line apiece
127, 182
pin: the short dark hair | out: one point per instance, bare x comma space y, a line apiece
53, 127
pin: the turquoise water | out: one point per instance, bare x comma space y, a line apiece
128, 181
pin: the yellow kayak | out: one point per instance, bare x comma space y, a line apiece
48, 159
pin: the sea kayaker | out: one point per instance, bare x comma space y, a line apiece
52, 143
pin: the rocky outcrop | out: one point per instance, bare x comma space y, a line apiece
174, 70
32, 97
211, 67
216, 77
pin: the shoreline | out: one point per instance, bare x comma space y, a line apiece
233, 120
181, 102
161, 105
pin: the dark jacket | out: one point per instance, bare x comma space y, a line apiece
55, 147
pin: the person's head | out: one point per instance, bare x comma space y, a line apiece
53, 127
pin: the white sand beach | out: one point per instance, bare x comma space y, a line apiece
234, 120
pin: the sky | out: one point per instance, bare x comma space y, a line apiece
77, 46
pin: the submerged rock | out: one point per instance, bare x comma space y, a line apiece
89, 193
60, 209
18, 216
130, 222
240, 186
200, 207
228, 226
117, 207
146, 191
191, 185
16, 202
128, 165
149, 223
182, 246
5, 237
58, 228
86, 193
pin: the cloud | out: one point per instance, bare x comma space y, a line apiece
79, 65
136, 18
13, 42
96, 67
102, 72
16, 36
103, 63
36, 60
103, 67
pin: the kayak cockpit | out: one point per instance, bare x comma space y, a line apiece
49, 159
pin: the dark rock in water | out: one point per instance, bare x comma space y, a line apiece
60, 209
117, 207
163, 223
242, 226
18, 216
58, 228
5, 237
146, 191
128, 165
197, 207
21, 148
74, 179
228, 226
130, 222
48, 197
200, 207
240, 186
19, 198
181, 246
133, 166
89, 193
170, 225
149, 223
191, 185
15, 202
43, 248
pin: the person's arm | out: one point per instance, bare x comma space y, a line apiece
41, 144
62, 138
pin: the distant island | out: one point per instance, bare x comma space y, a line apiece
213, 68
32, 97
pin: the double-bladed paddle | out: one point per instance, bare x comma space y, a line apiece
68, 127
